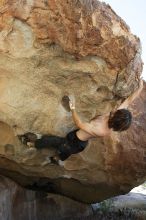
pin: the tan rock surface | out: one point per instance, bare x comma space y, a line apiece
49, 49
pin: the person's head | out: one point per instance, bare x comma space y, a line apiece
120, 120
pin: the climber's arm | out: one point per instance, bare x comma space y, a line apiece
131, 98
87, 127
76, 118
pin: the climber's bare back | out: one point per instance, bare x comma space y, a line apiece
98, 127
95, 128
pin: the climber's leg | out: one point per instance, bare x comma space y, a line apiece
63, 150
47, 141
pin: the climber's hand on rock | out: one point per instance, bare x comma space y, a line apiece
71, 105
71, 102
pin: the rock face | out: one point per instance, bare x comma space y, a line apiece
18, 203
49, 49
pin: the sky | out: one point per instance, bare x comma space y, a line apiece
133, 12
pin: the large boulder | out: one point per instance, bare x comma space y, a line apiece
49, 49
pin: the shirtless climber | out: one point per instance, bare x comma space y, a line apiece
77, 140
